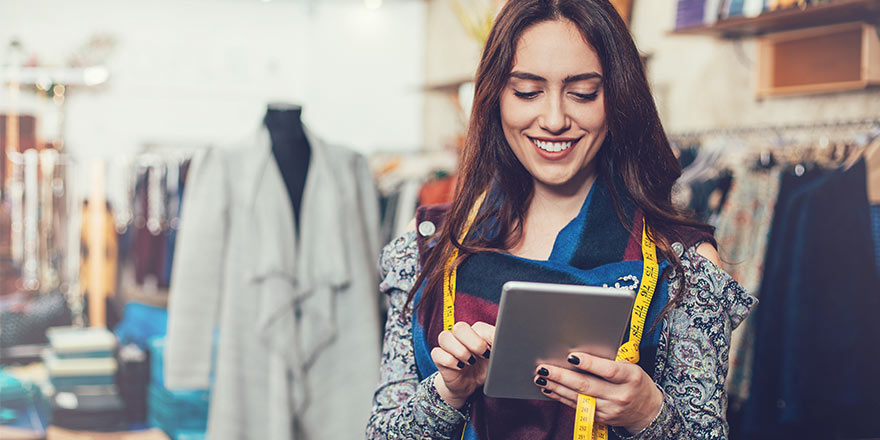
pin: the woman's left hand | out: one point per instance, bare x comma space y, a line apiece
625, 395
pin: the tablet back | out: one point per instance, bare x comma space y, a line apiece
543, 323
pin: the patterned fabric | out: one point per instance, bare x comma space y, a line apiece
691, 359
875, 232
742, 232
403, 406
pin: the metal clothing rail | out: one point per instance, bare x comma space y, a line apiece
810, 126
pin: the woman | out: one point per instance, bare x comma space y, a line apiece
565, 163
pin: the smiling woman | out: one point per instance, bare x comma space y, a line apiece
566, 177
553, 118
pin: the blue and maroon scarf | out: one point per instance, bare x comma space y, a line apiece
593, 249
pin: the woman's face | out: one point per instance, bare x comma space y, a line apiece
552, 108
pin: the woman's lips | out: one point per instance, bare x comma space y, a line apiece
553, 149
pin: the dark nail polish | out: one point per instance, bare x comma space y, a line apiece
545, 391
543, 372
573, 360
541, 381
461, 364
486, 354
472, 360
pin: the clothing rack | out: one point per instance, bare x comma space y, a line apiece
769, 129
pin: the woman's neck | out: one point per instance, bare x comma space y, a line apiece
551, 208
562, 201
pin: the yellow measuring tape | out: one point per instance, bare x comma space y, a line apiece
450, 271
585, 415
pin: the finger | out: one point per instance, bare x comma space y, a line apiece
447, 341
473, 341
575, 381
559, 398
442, 359
486, 331
612, 371
555, 388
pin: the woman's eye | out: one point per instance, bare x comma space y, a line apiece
585, 96
525, 95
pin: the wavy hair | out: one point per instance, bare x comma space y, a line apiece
636, 149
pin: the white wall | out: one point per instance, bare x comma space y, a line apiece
452, 55
202, 71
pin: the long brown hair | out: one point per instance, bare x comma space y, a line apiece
636, 149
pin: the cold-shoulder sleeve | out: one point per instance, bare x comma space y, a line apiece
693, 351
403, 406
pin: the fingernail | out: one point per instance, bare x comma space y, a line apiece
573, 360
545, 391
543, 372
472, 360
541, 381
461, 364
486, 354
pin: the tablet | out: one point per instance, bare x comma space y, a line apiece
543, 323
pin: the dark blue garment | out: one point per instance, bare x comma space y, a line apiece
815, 348
875, 232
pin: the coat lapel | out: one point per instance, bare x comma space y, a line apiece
296, 277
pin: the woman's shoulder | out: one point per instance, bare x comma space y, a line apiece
399, 263
707, 287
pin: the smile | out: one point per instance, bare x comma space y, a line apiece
553, 146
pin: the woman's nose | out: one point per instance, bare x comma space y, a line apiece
554, 119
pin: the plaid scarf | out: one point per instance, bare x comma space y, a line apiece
594, 249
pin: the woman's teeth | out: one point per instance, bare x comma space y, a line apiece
553, 147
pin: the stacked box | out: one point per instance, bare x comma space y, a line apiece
80, 356
82, 369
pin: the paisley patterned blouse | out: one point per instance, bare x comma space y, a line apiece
691, 359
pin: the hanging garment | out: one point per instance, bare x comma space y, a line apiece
816, 329
875, 232
297, 315
111, 252
150, 238
742, 233
175, 198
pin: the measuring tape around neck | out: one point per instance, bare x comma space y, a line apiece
585, 414
450, 271
585, 427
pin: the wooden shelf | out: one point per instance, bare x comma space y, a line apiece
822, 59
838, 11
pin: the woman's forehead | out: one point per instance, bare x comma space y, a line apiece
555, 46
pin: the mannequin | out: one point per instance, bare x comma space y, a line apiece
291, 150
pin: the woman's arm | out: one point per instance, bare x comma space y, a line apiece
403, 406
697, 342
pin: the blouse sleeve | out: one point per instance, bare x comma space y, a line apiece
693, 352
403, 406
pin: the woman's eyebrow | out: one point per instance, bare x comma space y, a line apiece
569, 79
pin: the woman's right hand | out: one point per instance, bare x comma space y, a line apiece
462, 360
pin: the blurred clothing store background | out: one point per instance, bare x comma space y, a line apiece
194, 195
